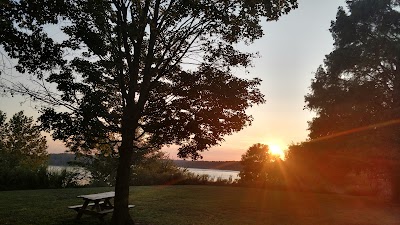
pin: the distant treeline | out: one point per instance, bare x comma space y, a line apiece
62, 159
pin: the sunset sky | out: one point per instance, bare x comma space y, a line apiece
291, 51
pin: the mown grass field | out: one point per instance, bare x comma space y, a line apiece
202, 205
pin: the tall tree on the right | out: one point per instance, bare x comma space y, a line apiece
356, 93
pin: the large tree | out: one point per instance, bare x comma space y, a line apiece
146, 72
356, 94
358, 88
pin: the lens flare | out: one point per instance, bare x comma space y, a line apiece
277, 150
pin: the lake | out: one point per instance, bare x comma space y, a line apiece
77, 169
224, 174
213, 173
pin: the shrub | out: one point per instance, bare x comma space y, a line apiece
157, 169
20, 178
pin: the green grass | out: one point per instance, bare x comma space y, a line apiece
202, 205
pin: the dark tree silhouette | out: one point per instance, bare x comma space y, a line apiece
360, 79
259, 166
147, 73
356, 94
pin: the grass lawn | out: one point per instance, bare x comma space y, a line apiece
202, 205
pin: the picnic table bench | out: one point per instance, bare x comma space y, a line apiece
96, 204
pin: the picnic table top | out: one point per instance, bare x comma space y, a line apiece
98, 196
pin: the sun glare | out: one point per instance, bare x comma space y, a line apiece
277, 150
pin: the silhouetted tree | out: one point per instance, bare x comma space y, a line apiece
356, 94
21, 144
259, 166
152, 72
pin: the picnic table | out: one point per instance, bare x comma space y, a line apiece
96, 204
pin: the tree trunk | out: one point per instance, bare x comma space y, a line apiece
121, 214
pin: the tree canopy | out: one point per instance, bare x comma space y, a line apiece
132, 55
259, 166
141, 74
21, 144
356, 94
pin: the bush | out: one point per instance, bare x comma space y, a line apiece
63, 179
158, 169
20, 178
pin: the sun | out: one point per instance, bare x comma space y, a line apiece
277, 151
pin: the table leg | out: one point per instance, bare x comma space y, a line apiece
81, 210
108, 204
97, 205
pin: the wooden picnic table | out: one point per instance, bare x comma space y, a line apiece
96, 204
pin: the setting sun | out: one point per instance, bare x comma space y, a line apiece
277, 150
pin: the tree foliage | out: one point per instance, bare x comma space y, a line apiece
151, 72
357, 92
24, 158
130, 56
259, 166
21, 144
